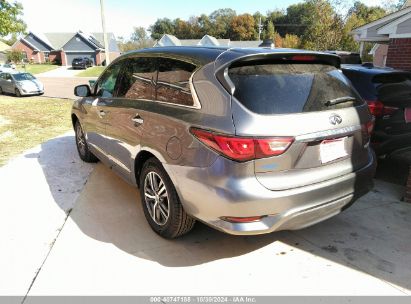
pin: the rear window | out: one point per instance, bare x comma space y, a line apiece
291, 88
362, 82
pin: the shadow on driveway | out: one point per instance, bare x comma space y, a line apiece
373, 236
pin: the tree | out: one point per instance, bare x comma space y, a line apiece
221, 19
270, 31
324, 26
15, 56
139, 34
206, 25
10, 21
291, 41
161, 27
243, 28
358, 15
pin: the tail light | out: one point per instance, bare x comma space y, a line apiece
378, 109
243, 148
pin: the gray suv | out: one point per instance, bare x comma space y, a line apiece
248, 141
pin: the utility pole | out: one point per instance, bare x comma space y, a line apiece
103, 23
260, 27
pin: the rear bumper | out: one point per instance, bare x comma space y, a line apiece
384, 144
211, 193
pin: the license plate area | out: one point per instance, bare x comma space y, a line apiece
332, 149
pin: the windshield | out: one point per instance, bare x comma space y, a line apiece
23, 76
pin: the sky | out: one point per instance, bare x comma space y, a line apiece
123, 15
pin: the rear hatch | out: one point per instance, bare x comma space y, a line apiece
307, 99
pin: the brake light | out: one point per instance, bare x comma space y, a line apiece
378, 109
243, 148
303, 58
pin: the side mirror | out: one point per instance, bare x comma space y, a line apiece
82, 90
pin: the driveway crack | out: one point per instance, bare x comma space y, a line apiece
48, 253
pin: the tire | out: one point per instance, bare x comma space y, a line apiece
1, 91
82, 147
169, 223
17, 93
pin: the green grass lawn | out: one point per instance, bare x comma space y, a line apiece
28, 121
37, 68
92, 72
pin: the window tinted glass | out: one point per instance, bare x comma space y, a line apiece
23, 76
107, 83
173, 82
137, 78
290, 88
363, 84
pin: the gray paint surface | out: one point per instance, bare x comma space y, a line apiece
78, 43
404, 27
37, 43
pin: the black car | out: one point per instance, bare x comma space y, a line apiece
81, 63
388, 94
347, 57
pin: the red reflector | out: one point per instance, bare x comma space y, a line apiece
378, 109
243, 148
249, 219
303, 58
407, 114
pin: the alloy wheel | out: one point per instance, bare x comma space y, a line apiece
81, 143
156, 198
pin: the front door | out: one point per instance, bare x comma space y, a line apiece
126, 112
96, 106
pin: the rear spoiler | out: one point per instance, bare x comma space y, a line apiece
392, 77
232, 58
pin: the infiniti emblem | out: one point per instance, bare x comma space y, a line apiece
335, 119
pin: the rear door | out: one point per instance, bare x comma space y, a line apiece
306, 99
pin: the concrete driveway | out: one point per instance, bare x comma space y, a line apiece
102, 245
63, 71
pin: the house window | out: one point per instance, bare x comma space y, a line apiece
46, 56
24, 56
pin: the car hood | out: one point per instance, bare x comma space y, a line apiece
31, 84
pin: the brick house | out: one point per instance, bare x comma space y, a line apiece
392, 37
62, 48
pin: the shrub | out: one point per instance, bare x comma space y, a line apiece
15, 56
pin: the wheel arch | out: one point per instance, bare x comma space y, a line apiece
139, 161
74, 119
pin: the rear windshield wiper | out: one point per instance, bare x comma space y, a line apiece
344, 99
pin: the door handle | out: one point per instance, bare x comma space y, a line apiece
137, 120
102, 113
